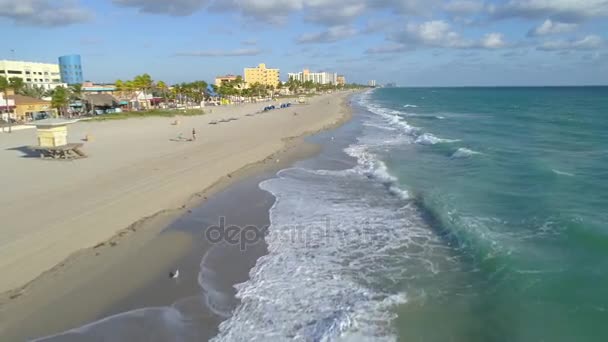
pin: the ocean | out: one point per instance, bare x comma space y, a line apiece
467, 214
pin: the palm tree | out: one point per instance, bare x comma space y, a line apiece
60, 99
17, 84
162, 86
76, 92
4, 87
143, 82
33, 91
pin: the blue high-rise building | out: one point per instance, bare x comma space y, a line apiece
70, 68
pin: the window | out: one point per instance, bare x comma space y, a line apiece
15, 72
46, 73
46, 80
27, 72
29, 80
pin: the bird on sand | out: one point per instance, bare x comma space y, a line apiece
174, 274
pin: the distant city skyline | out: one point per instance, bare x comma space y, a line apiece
408, 42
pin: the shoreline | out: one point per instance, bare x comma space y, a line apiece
145, 230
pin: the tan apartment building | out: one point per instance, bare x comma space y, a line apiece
341, 80
262, 75
44, 75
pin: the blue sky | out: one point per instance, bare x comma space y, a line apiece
411, 42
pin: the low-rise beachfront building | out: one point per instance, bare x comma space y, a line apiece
262, 75
219, 80
315, 77
341, 80
30, 108
45, 75
7, 107
101, 103
92, 88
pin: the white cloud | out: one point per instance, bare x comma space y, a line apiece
327, 12
562, 10
438, 33
433, 33
492, 41
220, 53
590, 42
332, 34
44, 12
551, 27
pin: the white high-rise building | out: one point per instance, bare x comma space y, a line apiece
315, 77
45, 75
371, 83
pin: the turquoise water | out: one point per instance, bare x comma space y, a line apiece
472, 214
515, 181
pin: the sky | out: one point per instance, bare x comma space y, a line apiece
409, 42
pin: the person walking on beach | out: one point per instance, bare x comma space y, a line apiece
193, 134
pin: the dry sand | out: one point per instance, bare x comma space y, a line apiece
52, 209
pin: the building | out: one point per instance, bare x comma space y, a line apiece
371, 83
262, 75
92, 88
341, 80
7, 107
101, 103
45, 75
314, 77
219, 80
70, 68
30, 108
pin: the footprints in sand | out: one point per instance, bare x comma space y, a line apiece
215, 122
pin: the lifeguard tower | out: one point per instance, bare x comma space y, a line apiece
53, 143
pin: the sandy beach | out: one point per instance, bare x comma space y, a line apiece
54, 209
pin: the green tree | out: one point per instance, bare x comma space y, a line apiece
76, 92
34, 91
4, 87
60, 99
144, 83
197, 90
162, 87
17, 84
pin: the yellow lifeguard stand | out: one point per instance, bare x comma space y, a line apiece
52, 137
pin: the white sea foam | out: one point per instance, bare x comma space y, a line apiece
410, 106
392, 118
562, 173
464, 153
429, 139
329, 232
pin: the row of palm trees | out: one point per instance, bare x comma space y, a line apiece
183, 93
